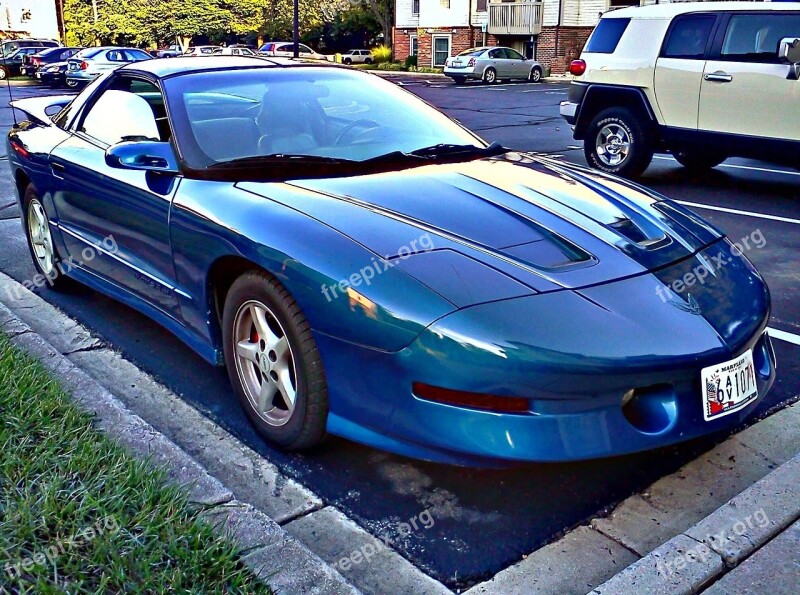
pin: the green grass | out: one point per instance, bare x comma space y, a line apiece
80, 515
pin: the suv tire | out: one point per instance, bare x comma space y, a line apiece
616, 143
698, 160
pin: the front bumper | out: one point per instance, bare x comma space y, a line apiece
573, 355
569, 111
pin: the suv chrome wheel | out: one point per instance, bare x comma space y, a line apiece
613, 144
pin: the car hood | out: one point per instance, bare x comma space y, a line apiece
539, 223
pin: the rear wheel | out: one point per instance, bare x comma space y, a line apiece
697, 160
72, 84
536, 75
3, 73
273, 362
616, 143
490, 76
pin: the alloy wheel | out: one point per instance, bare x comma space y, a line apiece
40, 238
265, 363
613, 144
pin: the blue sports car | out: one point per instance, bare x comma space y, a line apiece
364, 266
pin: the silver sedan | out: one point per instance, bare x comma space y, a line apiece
491, 64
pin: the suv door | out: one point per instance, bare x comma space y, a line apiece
680, 66
745, 88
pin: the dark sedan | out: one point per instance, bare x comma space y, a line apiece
10, 65
32, 63
365, 266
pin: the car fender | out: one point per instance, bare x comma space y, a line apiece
598, 97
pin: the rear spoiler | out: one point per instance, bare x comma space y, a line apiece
37, 108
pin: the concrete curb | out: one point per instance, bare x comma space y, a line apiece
272, 554
692, 560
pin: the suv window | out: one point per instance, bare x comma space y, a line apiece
755, 37
606, 36
688, 37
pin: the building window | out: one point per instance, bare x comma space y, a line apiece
441, 50
444, 3
415, 7
413, 45
481, 6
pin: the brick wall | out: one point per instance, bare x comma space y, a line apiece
459, 41
570, 43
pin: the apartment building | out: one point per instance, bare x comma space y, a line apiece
551, 31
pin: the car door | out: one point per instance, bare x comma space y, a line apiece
495, 59
746, 90
119, 215
680, 67
518, 67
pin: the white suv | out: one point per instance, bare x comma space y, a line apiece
357, 57
703, 81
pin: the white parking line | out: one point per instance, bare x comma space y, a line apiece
738, 212
783, 336
745, 167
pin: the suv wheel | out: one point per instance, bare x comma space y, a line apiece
697, 160
616, 143
347, 61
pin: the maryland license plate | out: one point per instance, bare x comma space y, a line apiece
729, 386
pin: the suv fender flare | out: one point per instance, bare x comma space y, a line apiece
597, 97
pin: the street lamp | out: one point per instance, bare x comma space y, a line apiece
296, 33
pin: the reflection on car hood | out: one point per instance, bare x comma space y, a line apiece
546, 224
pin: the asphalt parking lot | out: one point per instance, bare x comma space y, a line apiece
484, 519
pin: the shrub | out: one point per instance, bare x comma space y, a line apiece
381, 54
411, 62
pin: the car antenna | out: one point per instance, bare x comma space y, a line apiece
8, 86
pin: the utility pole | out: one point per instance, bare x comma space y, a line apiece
296, 37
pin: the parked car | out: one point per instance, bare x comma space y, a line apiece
235, 51
491, 64
532, 311
357, 57
87, 64
199, 50
31, 63
701, 81
11, 64
285, 49
12, 45
53, 75
169, 52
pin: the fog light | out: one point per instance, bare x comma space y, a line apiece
651, 409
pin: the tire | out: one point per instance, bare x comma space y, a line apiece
347, 61
72, 84
40, 241
289, 361
368, 61
616, 143
3, 73
459, 80
490, 76
536, 75
698, 160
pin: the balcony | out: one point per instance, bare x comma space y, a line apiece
515, 18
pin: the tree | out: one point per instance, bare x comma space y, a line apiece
384, 12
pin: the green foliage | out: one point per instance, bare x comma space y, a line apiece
411, 62
381, 54
353, 28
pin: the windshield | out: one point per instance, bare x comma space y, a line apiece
320, 112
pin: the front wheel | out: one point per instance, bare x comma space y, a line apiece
40, 241
696, 160
536, 75
273, 362
616, 143
348, 61
490, 76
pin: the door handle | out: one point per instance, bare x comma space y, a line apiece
719, 77
58, 169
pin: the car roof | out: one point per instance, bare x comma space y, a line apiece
668, 11
165, 68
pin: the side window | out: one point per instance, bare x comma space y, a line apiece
513, 54
755, 37
115, 56
688, 37
606, 36
497, 54
131, 109
304, 49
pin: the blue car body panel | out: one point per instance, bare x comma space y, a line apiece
513, 276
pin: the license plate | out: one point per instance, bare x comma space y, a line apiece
729, 386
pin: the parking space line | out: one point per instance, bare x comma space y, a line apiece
783, 336
738, 212
767, 170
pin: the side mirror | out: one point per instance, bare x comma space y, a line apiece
789, 52
143, 155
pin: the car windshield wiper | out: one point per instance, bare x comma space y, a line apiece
441, 150
279, 159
